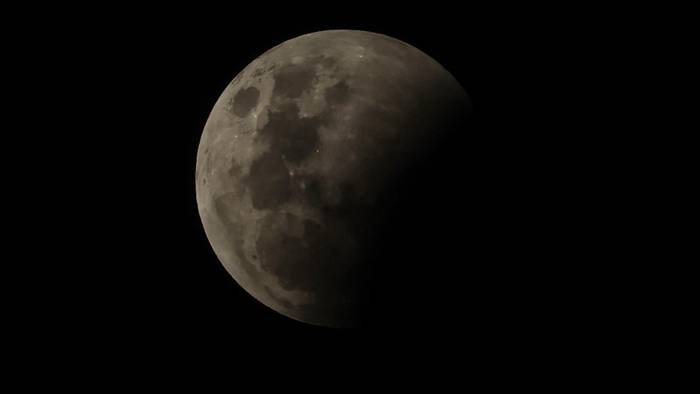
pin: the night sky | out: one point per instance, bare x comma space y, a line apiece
499, 251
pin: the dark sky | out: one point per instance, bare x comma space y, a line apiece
131, 89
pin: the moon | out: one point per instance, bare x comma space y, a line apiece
298, 159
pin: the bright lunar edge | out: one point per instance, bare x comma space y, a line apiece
302, 159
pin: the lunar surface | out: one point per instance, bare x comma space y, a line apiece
299, 155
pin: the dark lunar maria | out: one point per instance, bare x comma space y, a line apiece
299, 161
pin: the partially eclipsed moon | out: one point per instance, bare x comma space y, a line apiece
297, 155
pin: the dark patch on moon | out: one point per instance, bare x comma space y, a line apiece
312, 191
307, 189
328, 62
234, 171
292, 79
293, 137
268, 181
325, 61
314, 260
337, 94
245, 100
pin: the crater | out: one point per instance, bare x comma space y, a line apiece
245, 100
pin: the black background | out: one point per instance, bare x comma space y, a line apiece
498, 244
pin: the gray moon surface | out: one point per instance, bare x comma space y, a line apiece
297, 155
